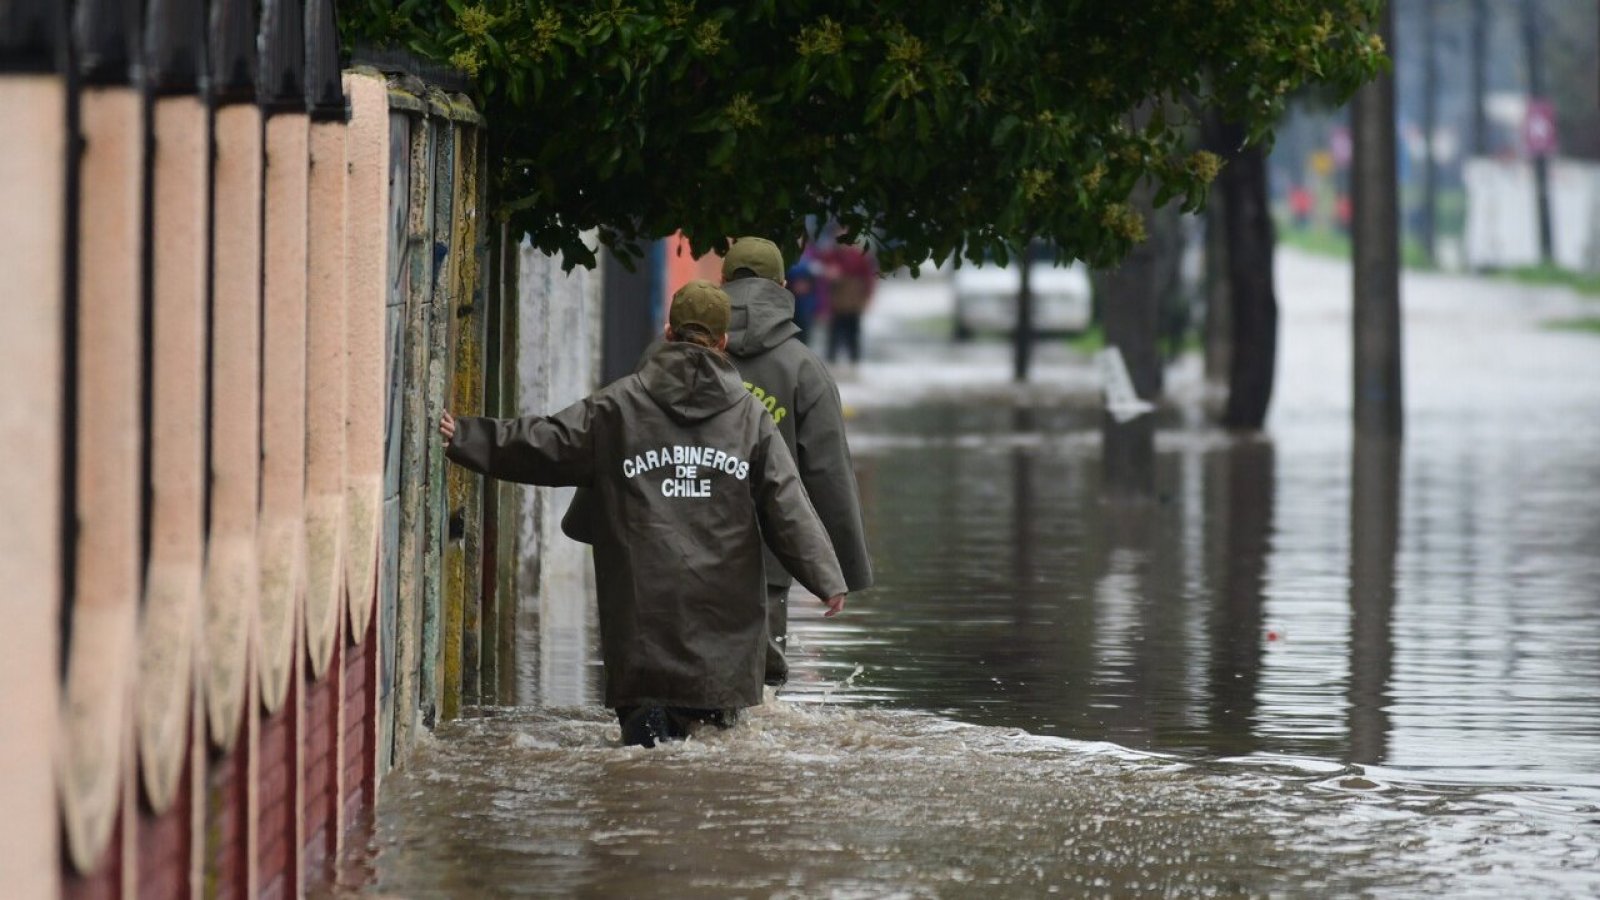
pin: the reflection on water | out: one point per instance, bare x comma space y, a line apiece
1312, 667
1318, 600
1374, 540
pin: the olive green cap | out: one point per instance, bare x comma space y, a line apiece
701, 303
759, 255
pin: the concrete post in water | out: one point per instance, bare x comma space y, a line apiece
1375, 236
175, 405
325, 339
1378, 407
33, 180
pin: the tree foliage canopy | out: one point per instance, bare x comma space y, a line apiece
942, 126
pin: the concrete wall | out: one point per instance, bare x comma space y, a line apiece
1502, 228
556, 359
216, 692
272, 582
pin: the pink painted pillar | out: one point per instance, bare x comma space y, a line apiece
366, 294
232, 564
325, 394
281, 535
32, 224
97, 716
172, 591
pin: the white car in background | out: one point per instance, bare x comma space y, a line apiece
986, 297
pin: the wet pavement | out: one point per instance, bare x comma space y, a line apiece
1306, 669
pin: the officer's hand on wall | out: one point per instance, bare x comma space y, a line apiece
447, 427
835, 606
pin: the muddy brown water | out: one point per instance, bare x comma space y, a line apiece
1306, 668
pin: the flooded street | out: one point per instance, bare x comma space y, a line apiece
1305, 669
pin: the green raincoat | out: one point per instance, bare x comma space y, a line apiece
691, 476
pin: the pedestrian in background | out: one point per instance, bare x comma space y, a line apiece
690, 477
853, 279
804, 280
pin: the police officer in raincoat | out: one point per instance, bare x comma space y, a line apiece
801, 398
690, 476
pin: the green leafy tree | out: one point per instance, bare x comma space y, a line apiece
942, 126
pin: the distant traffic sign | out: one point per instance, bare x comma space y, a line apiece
1539, 128
1339, 146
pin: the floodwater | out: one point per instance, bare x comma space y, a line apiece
1305, 669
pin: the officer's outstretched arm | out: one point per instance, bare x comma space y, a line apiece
790, 525
550, 450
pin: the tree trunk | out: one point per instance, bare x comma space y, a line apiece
1022, 335
1426, 228
1219, 303
1248, 242
1534, 50
1480, 76
1376, 254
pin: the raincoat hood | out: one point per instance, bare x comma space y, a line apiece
691, 383
763, 316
